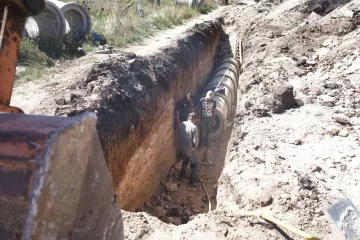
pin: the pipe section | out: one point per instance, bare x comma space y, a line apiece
226, 75
76, 16
49, 23
59, 19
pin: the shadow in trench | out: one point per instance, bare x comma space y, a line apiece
175, 201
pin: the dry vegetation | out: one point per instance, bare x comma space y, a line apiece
117, 21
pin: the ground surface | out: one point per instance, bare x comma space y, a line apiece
287, 157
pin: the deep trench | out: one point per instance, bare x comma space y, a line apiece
178, 205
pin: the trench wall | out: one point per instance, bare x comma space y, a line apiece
136, 120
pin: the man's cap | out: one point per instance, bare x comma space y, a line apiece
191, 95
193, 115
209, 94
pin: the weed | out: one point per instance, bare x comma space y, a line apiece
119, 24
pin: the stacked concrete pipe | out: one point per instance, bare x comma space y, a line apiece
59, 19
226, 75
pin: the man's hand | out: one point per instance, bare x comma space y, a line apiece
214, 123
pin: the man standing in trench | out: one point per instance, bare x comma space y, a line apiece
189, 139
207, 108
183, 108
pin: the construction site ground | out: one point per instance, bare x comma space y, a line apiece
291, 156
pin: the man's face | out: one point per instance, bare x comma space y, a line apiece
190, 99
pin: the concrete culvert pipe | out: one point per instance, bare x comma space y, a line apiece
226, 75
222, 111
223, 81
231, 61
77, 17
228, 66
50, 23
228, 89
226, 98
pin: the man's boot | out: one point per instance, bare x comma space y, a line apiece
193, 182
182, 175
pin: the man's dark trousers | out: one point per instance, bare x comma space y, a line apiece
205, 129
193, 164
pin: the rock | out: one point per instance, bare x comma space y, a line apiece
171, 187
332, 176
319, 211
168, 198
278, 107
135, 64
285, 95
326, 100
311, 63
343, 133
159, 211
343, 167
299, 102
177, 221
215, 186
354, 121
74, 96
265, 199
96, 89
297, 142
327, 42
60, 101
332, 130
301, 62
285, 196
313, 195
316, 168
305, 182
170, 220
196, 211
341, 118
187, 212
331, 86
174, 212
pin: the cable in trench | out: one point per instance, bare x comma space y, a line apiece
202, 183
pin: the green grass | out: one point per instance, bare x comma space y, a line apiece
117, 21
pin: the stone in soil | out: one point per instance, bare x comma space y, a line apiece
332, 130
159, 211
326, 100
341, 118
354, 121
285, 95
265, 199
170, 220
171, 187
343, 133
60, 101
177, 221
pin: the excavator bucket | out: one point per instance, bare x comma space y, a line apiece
54, 182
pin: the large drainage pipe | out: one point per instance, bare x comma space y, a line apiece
58, 19
225, 75
77, 17
49, 23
